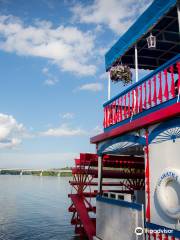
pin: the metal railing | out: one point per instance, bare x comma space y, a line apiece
156, 88
157, 232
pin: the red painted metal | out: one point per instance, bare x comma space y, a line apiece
145, 95
155, 93
110, 115
140, 102
129, 108
120, 110
105, 117
73, 209
152, 118
132, 102
117, 184
178, 68
84, 184
117, 164
109, 160
160, 87
160, 236
172, 82
137, 101
166, 237
81, 209
114, 113
118, 174
149, 98
154, 236
166, 91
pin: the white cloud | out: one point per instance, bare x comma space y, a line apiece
11, 131
63, 131
104, 76
116, 14
93, 87
51, 79
50, 82
97, 130
67, 115
45, 70
68, 47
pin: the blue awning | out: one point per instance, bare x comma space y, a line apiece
157, 13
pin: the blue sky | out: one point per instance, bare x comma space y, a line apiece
53, 80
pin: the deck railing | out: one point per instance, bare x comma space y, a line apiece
158, 87
157, 232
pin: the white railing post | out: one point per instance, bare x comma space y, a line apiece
178, 12
136, 63
109, 86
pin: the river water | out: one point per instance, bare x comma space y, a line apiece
35, 208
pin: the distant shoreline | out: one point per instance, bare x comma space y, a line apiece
66, 172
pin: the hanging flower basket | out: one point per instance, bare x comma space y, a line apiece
121, 73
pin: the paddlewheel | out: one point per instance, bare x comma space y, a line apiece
82, 195
122, 174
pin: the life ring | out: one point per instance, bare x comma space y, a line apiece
168, 177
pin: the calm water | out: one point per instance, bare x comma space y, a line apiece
33, 207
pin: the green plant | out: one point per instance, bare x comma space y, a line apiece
121, 73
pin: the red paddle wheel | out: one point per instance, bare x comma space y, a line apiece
82, 208
123, 174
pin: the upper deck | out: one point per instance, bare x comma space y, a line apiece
155, 97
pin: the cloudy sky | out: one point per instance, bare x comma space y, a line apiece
53, 80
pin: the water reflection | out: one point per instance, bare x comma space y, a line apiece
35, 208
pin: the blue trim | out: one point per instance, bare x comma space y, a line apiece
142, 25
150, 75
121, 203
143, 114
162, 127
127, 138
153, 226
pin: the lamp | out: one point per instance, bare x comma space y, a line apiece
151, 41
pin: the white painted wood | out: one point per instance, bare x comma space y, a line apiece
100, 175
109, 86
136, 63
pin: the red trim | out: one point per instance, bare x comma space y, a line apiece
80, 206
152, 118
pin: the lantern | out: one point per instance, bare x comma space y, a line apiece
151, 41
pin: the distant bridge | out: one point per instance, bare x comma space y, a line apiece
40, 172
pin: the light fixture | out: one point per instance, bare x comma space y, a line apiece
151, 41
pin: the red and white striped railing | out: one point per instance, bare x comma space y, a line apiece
158, 87
156, 232
159, 236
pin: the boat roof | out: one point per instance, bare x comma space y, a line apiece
160, 19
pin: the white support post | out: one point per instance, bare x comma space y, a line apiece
100, 175
136, 63
178, 12
109, 86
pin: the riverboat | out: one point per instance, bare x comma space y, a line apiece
130, 188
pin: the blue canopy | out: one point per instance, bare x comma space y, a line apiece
157, 18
